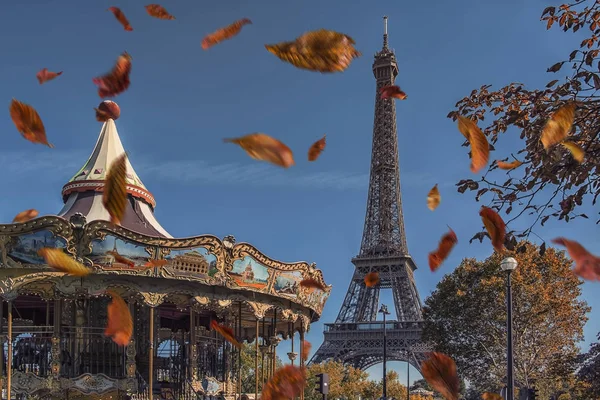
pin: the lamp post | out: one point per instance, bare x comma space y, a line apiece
384, 311
509, 265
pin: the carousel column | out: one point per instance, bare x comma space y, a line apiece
55, 349
130, 352
256, 351
193, 361
151, 354
302, 344
274, 342
239, 363
1, 347
10, 352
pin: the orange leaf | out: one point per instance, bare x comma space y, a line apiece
372, 279
25, 216
436, 258
28, 122
117, 80
440, 372
263, 147
120, 323
59, 260
433, 198
287, 383
312, 283
509, 165
392, 91
44, 75
156, 263
158, 11
491, 396
305, 350
224, 33
316, 149
480, 148
495, 227
576, 151
120, 259
558, 126
114, 197
226, 332
120, 17
587, 265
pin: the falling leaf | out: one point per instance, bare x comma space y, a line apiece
495, 227
44, 75
120, 17
120, 259
480, 148
25, 216
447, 243
558, 126
392, 91
286, 383
156, 263
306, 346
224, 33
107, 110
226, 332
576, 151
114, 197
372, 279
321, 51
587, 265
117, 80
543, 249
158, 11
508, 165
439, 371
316, 149
312, 283
263, 147
28, 122
58, 259
120, 323
433, 198
491, 396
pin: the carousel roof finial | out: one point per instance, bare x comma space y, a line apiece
83, 192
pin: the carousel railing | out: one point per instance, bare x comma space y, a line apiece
31, 349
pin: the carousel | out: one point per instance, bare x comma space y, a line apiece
52, 324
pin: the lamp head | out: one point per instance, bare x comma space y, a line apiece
508, 264
384, 309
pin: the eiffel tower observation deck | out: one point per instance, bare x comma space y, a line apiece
356, 337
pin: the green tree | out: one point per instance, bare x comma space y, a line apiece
394, 388
345, 382
466, 317
248, 380
549, 184
589, 373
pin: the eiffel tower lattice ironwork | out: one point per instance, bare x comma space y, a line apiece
356, 338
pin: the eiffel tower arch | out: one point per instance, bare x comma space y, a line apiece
356, 337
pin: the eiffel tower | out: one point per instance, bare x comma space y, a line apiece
356, 338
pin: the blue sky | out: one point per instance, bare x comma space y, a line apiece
183, 101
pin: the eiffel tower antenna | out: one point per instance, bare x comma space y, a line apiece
356, 338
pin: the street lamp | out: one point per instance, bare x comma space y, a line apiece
509, 265
384, 311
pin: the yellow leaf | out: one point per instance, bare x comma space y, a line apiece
263, 147
58, 259
433, 198
480, 148
509, 165
491, 396
576, 151
558, 126
114, 197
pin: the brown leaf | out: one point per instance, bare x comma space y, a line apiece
558, 126
114, 197
156, 263
480, 148
392, 91
433, 198
44, 75
224, 33
322, 51
509, 165
372, 279
556, 67
447, 243
25, 216
263, 147
316, 149
226, 332
312, 283
440, 372
491, 396
287, 383
120, 259
587, 265
117, 80
576, 151
158, 11
28, 122
495, 227
119, 325
61, 261
120, 17
305, 350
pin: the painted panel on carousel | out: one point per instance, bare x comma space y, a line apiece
287, 283
196, 262
249, 273
316, 298
17, 251
114, 253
